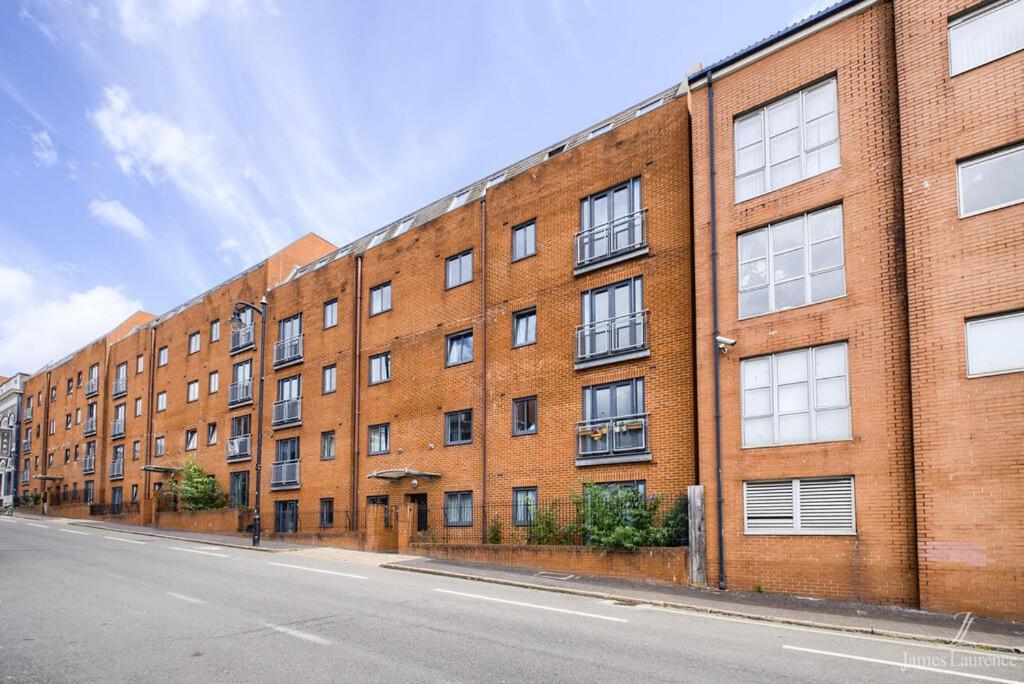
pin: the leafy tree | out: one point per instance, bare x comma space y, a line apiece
195, 490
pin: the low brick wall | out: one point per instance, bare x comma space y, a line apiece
222, 520
344, 540
663, 565
69, 511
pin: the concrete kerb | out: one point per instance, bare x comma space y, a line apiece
632, 600
245, 547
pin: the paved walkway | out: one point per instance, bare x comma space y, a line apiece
881, 620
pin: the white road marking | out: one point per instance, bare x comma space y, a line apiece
75, 532
126, 541
188, 599
325, 572
910, 643
305, 636
205, 553
532, 605
906, 666
8, 519
45, 527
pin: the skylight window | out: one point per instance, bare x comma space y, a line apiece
600, 130
404, 226
459, 200
377, 239
494, 180
556, 150
649, 107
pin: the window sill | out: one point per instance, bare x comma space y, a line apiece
460, 363
236, 404
243, 348
288, 362
281, 487
796, 444
239, 459
753, 317
616, 358
287, 424
582, 462
618, 258
799, 533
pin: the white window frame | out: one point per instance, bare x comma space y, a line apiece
159, 446
195, 342
797, 527
161, 356
967, 343
191, 439
161, 401
138, 406
192, 391
807, 245
966, 164
986, 10
329, 372
214, 382
330, 314
140, 363
765, 139
812, 409
215, 331
529, 230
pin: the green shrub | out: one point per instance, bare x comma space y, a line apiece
547, 530
494, 532
195, 490
620, 518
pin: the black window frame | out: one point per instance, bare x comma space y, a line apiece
327, 304
532, 223
323, 377
517, 520
447, 426
286, 511
461, 505
516, 315
516, 403
323, 442
369, 438
326, 520
380, 288
451, 337
279, 447
369, 369
448, 260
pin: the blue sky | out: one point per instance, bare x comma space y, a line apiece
152, 148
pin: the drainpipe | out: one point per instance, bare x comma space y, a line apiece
483, 359
356, 365
151, 363
715, 333
46, 442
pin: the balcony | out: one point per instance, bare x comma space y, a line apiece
26, 446
241, 339
89, 426
238, 448
27, 414
240, 393
287, 412
89, 463
620, 439
92, 386
117, 428
609, 243
24, 477
612, 340
117, 469
119, 388
288, 351
284, 475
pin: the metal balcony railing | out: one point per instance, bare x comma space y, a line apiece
89, 463
117, 469
611, 337
119, 387
117, 428
26, 446
27, 414
613, 239
92, 386
24, 477
611, 436
241, 338
239, 392
284, 475
287, 411
288, 351
238, 448
89, 427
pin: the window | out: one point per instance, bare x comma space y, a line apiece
76, 454
239, 490
380, 368
240, 426
118, 453
135, 493
789, 140
327, 446
380, 438
158, 449
614, 422
524, 505
193, 342
611, 224
191, 437
524, 328
524, 240
53, 427
214, 382
613, 321
458, 269
986, 34
458, 427
140, 364
161, 357
403, 227
459, 200
330, 379
331, 313
792, 263
78, 416
88, 491
138, 406
289, 388
380, 299
991, 181
193, 390
796, 397
286, 516
813, 506
458, 509
287, 450
136, 449
78, 381
460, 348
995, 344
67, 456
67, 421
211, 433
326, 513
214, 331
524, 416
70, 385
53, 393
290, 328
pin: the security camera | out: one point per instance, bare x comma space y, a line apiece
724, 343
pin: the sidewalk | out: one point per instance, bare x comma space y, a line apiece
852, 617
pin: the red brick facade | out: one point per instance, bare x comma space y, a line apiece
936, 518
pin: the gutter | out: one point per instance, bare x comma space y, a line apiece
149, 411
357, 328
714, 335
46, 438
483, 360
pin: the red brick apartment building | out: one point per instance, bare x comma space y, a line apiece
794, 279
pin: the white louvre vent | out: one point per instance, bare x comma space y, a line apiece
826, 505
769, 505
814, 506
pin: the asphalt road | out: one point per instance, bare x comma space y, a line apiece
83, 604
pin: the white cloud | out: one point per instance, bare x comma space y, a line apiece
41, 324
115, 214
809, 8
34, 22
42, 149
145, 20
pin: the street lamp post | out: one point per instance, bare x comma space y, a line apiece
237, 323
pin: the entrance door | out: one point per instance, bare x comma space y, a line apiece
421, 511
